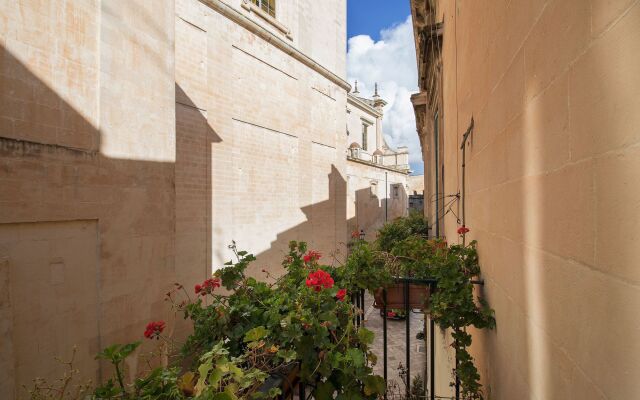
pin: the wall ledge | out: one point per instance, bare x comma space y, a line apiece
234, 15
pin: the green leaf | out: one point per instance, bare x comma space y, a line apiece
287, 355
356, 356
256, 333
129, 348
203, 371
373, 384
224, 396
324, 391
365, 336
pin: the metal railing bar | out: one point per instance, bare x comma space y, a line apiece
384, 338
407, 337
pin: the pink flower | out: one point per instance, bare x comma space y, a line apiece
154, 329
319, 280
311, 256
462, 230
341, 293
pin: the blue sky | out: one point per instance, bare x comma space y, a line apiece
380, 49
369, 17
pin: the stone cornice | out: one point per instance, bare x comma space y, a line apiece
247, 5
252, 26
362, 105
372, 164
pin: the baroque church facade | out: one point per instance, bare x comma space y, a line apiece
377, 175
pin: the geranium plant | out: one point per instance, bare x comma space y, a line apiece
299, 325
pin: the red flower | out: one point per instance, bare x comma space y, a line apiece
462, 230
207, 286
312, 255
319, 280
154, 329
355, 235
341, 293
391, 314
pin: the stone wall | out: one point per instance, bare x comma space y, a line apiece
87, 197
137, 139
275, 136
552, 198
368, 203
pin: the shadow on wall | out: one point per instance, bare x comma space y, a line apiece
372, 212
370, 216
314, 230
96, 241
88, 239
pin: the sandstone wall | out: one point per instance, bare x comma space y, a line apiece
367, 198
86, 220
137, 139
274, 137
552, 194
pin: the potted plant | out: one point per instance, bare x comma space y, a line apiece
402, 249
395, 296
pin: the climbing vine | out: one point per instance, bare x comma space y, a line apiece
403, 249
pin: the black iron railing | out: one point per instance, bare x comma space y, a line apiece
358, 300
432, 284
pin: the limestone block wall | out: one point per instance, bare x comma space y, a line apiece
367, 198
274, 140
87, 147
553, 200
416, 184
317, 28
137, 139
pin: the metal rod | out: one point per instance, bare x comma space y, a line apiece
429, 281
464, 166
384, 338
407, 337
432, 350
362, 303
464, 156
437, 161
358, 310
386, 196
353, 302
463, 146
457, 378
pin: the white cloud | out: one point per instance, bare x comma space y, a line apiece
391, 62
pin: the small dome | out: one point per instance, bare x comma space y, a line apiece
354, 145
378, 152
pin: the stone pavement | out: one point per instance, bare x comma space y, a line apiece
396, 340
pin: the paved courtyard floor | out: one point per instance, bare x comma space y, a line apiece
396, 339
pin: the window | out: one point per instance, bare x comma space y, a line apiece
396, 191
364, 136
268, 6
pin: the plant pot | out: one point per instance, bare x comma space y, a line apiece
418, 296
